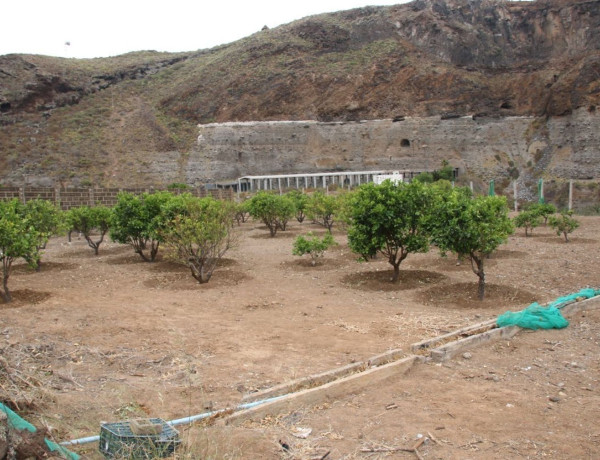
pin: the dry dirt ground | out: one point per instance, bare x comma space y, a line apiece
111, 337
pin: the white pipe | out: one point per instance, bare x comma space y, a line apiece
180, 421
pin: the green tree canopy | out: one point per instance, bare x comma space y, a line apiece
389, 218
139, 219
18, 238
273, 210
313, 245
47, 219
564, 224
87, 220
322, 209
300, 200
544, 210
470, 226
200, 235
527, 220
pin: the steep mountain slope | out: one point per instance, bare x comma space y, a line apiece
100, 121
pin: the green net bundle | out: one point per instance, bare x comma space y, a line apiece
536, 316
21, 424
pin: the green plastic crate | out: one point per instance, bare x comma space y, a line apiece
118, 441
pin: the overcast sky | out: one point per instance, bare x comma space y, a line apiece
110, 27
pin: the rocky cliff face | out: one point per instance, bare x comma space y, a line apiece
487, 148
132, 119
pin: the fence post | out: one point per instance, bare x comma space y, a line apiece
570, 194
92, 201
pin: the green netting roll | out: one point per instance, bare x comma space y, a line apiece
534, 317
21, 424
537, 317
586, 293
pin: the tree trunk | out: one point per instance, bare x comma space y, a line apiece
199, 274
392, 256
153, 250
5, 294
481, 286
566, 237
477, 261
93, 245
396, 275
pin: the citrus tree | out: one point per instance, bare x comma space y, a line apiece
300, 200
472, 227
544, 210
564, 224
18, 238
527, 219
47, 219
88, 221
241, 212
312, 245
200, 235
389, 218
139, 219
322, 209
272, 210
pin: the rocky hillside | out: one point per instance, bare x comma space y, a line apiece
100, 121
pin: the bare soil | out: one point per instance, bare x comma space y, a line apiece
110, 337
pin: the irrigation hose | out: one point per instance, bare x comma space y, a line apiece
182, 421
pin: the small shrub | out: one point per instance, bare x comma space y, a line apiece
563, 224
86, 219
322, 209
273, 210
300, 199
313, 245
544, 210
528, 220
178, 186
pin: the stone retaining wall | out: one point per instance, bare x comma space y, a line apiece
69, 198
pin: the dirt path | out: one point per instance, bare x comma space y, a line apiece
114, 337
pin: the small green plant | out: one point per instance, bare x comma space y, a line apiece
273, 210
322, 209
544, 210
47, 219
86, 220
300, 199
18, 238
563, 224
178, 186
528, 220
313, 245
241, 212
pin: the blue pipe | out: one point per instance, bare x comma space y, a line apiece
181, 421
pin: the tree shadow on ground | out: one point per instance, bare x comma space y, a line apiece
24, 269
25, 297
464, 295
380, 280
